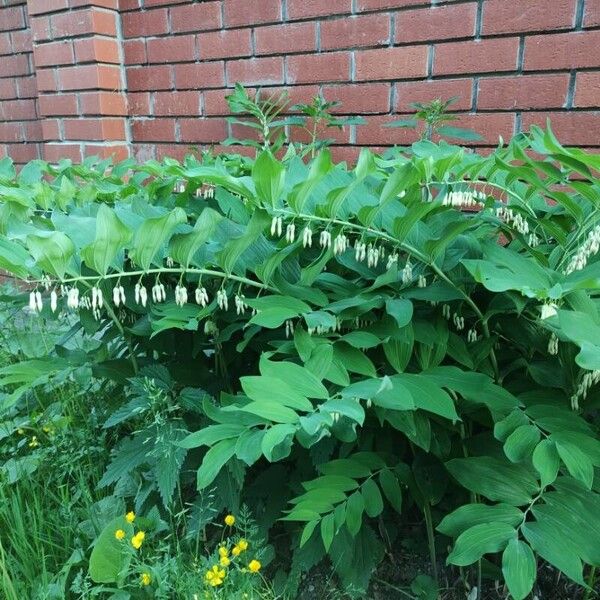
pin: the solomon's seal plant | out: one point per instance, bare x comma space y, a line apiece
345, 349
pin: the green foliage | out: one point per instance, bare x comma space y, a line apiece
348, 350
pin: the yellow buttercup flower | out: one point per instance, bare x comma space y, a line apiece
145, 579
215, 576
229, 520
138, 539
224, 561
243, 544
34, 443
254, 566
119, 534
236, 551
223, 552
130, 517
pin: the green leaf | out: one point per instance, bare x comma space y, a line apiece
427, 395
349, 407
307, 532
52, 252
211, 435
152, 237
183, 246
355, 507
111, 237
495, 479
404, 123
214, 460
269, 177
401, 309
577, 462
327, 531
546, 461
521, 442
478, 540
459, 133
298, 378
275, 390
372, 497
272, 411
470, 515
111, 557
248, 445
391, 489
13, 258
518, 568
276, 437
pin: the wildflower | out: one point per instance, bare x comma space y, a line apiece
472, 335
254, 566
289, 328
222, 301
130, 517
73, 298
97, 298
215, 576
229, 520
590, 247
325, 239
392, 260
223, 552
181, 295
224, 561
372, 256
446, 311
276, 226
53, 300
240, 305
20, 431
32, 302
34, 442
340, 244
119, 534
459, 322
407, 273
159, 293
513, 219
201, 296
307, 237
138, 539
145, 579
169, 262
587, 381
547, 311
422, 281
290, 233
553, 345
360, 251
243, 544
236, 550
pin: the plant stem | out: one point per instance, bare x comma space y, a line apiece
591, 580
431, 540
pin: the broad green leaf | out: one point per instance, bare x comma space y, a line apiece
269, 177
52, 252
276, 437
427, 395
577, 462
298, 378
372, 497
391, 489
470, 515
355, 507
518, 568
214, 460
111, 557
546, 461
401, 309
478, 540
327, 531
349, 407
13, 258
521, 442
183, 246
272, 411
275, 390
307, 532
211, 435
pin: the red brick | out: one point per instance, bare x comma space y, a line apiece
134, 52
112, 4
587, 90
81, 22
5, 44
408, 92
8, 89
33, 131
51, 129
103, 103
12, 18
153, 130
145, 23
283, 39
94, 129
23, 153
347, 154
97, 49
379, 4
450, 21
54, 53
562, 51
224, 44
478, 56
571, 128
391, 63
337, 135
39, 7
255, 71
203, 130
313, 68
375, 133
302, 9
353, 31
489, 125
46, 80
149, 78
14, 65
22, 40
174, 151
201, 75
85, 77
196, 17
27, 87
161, 2
523, 92
242, 12
10, 132
40, 28
171, 49
139, 103
176, 103
359, 99
592, 13
117, 152
17, 110
58, 151
57, 104
500, 16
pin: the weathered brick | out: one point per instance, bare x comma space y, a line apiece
302, 9
448, 21
591, 16
51, 129
14, 65
117, 152
27, 87
523, 92
478, 56
204, 75
203, 130
153, 130
242, 12
176, 103
58, 151
171, 49
57, 104
39, 7
587, 90
81, 22
134, 52
408, 92
12, 17
574, 50
284, 38
46, 80
380, 4
571, 128
313, 68
224, 44
391, 63
139, 103
196, 17
145, 23
8, 89
22, 40
11, 132
355, 31
489, 125
103, 103
53, 54
359, 99
23, 153
97, 49
256, 71
500, 16
94, 129
149, 78
85, 77
17, 110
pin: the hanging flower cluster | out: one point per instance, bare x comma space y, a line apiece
464, 199
589, 379
513, 219
590, 247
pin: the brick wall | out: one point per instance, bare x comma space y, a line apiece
150, 76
